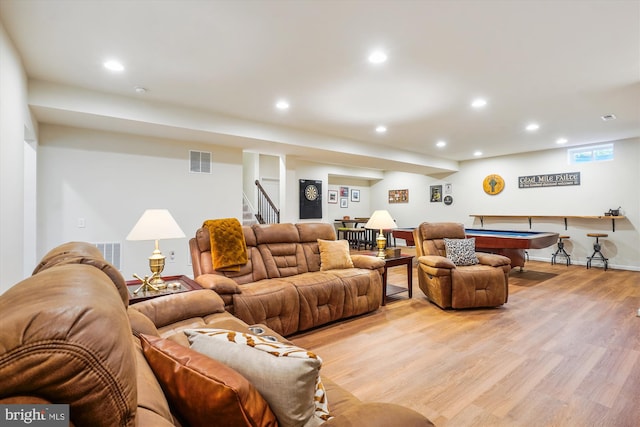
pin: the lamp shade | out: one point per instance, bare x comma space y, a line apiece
381, 220
156, 224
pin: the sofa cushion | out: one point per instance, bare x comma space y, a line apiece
334, 254
273, 302
461, 251
322, 298
283, 259
204, 391
478, 286
173, 308
288, 377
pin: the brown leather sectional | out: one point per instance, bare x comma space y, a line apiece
69, 336
282, 284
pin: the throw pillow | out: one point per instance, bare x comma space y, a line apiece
461, 251
288, 377
334, 254
203, 391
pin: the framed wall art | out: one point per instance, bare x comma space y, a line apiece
355, 195
436, 193
333, 196
344, 202
399, 196
344, 191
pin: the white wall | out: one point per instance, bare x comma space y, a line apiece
109, 179
15, 123
604, 185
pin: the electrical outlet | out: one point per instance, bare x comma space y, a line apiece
172, 256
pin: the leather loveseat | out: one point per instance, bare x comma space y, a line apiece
68, 336
283, 284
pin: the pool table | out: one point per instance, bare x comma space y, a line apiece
405, 233
511, 244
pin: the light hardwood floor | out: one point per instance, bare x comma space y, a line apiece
564, 351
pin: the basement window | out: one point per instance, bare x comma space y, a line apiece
595, 153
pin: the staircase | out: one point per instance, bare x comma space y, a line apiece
248, 217
267, 213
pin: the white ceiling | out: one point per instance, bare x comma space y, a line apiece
214, 70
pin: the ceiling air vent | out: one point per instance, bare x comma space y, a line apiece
608, 117
199, 161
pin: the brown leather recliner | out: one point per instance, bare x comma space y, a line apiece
485, 284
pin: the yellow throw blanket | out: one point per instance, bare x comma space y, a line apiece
228, 247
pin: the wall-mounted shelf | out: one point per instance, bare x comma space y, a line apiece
564, 217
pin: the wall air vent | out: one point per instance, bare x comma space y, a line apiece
110, 252
199, 161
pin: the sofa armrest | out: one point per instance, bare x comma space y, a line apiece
176, 307
367, 262
220, 284
494, 260
436, 261
375, 414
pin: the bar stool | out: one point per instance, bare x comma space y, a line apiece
561, 252
355, 236
596, 250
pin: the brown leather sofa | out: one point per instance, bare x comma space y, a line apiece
282, 284
69, 336
483, 284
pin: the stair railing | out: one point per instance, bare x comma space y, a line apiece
267, 213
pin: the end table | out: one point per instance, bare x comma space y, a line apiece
394, 262
175, 285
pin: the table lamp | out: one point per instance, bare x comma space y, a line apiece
381, 220
155, 224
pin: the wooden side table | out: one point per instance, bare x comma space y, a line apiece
175, 285
395, 262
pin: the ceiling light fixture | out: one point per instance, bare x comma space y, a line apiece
377, 57
113, 65
381, 129
561, 140
532, 127
608, 117
282, 105
141, 90
479, 103
477, 153
441, 144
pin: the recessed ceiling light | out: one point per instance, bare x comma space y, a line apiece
532, 127
477, 153
113, 65
381, 129
141, 90
608, 117
282, 105
479, 103
561, 140
377, 57
441, 143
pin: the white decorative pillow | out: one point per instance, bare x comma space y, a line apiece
334, 254
461, 251
288, 377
